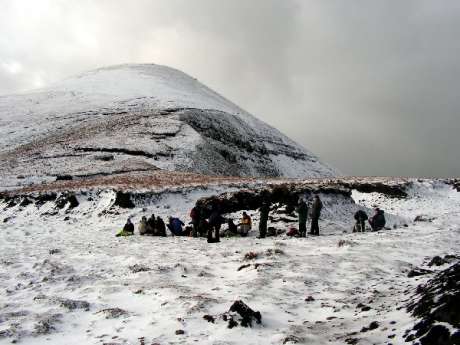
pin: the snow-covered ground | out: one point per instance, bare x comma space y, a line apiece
62, 274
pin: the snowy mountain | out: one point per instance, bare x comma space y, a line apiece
134, 118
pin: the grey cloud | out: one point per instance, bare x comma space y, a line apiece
371, 87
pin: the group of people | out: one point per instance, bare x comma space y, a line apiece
152, 226
201, 226
377, 221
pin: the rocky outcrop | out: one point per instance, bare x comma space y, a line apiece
437, 302
252, 199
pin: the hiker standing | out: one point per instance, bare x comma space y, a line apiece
215, 222
316, 208
360, 217
264, 211
302, 210
195, 216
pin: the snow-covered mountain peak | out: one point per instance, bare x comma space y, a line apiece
139, 117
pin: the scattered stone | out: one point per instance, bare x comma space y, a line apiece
437, 261
418, 272
423, 218
74, 304
113, 313
243, 267
47, 324
246, 313
373, 325
363, 307
136, 268
209, 318
250, 256
292, 339
343, 243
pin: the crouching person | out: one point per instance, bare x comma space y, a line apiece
150, 228
175, 225
377, 221
160, 227
245, 225
128, 229
142, 227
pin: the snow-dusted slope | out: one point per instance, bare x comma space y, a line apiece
139, 117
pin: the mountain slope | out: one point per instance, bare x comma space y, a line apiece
139, 118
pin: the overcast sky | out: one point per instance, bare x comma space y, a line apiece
372, 87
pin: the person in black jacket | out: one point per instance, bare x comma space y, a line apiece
151, 225
195, 216
302, 210
263, 221
160, 227
128, 229
377, 221
360, 217
316, 208
215, 222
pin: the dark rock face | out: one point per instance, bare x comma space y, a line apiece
397, 190
437, 301
286, 194
123, 200
65, 199
64, 178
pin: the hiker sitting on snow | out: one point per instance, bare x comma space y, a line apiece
150, 228
175, 226
128, 229
142, 226
160, 227
245, 225
377, 221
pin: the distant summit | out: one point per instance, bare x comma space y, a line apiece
139, 117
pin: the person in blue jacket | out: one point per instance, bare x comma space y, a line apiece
175, 225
